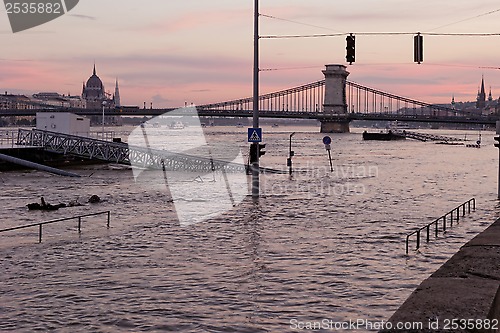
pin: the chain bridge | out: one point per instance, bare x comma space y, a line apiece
334, 101
306, 101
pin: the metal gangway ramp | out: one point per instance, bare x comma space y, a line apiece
425, 137
122, 153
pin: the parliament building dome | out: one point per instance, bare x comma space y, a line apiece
93, 91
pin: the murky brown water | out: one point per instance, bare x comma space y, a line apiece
318, 246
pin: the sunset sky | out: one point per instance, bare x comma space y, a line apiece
169, 52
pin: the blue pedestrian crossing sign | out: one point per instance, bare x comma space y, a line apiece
255, 135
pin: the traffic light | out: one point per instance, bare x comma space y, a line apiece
350, 48
261, 152
497, 144
256, 149
253, 153
418, 48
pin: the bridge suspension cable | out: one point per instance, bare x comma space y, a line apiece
304, 98
359, 98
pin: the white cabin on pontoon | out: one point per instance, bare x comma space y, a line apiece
63, 122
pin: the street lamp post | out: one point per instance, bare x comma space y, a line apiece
497, 144
103, 105
255, 164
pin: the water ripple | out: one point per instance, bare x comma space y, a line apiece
305, 253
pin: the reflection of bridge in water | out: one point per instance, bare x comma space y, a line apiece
334, 101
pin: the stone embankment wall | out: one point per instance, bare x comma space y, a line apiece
466, 287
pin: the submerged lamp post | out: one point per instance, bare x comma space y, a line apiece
291, 153
255, 164
103, 105
497, 144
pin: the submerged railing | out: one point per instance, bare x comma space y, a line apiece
8, 138
452, 216
39, 225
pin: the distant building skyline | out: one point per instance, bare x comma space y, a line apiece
481, 105
92, 97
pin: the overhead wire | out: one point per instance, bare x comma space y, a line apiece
338, 34
468, 19
297, 22
430, 64
285, 68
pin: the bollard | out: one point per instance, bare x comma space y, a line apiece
109, 213
79, 224
40, 234
428, 229
418, 239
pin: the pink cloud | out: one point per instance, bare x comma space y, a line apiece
196, 20
29, 75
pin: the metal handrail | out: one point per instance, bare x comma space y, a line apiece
39, 225
454, 214
121, 152
8, 138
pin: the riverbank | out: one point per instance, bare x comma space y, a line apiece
466, 287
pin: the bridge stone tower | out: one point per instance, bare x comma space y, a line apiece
335, 119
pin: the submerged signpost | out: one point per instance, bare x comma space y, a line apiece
327, 141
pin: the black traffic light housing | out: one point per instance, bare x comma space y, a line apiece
262, 146
256, 149
418, 48
253, 153
350, 49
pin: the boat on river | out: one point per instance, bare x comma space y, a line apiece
383, 136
